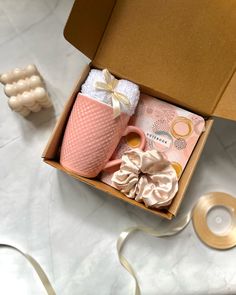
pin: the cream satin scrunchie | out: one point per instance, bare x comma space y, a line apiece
146, 177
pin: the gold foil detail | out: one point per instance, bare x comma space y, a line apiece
178, 168
185, 121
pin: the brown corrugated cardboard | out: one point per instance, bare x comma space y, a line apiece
181, 51
51, 157
94, 15
227, 105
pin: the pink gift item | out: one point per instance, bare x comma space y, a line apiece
168, 129
91, 136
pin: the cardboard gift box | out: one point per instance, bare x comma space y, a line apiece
183, 52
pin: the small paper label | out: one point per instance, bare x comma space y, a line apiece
161, 138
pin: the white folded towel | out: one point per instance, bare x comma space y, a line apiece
127, 88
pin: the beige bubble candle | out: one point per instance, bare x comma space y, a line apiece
26, 90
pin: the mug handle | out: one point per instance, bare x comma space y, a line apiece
129, 129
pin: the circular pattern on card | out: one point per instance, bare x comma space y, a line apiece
178, 168
166, 111
149, 110
160, 125
181, 127
180, 143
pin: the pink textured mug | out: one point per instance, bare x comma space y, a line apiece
92, 135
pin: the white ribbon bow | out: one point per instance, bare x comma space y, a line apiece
117, 98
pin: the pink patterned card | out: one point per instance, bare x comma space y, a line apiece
168, 129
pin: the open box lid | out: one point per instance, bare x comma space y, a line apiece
183, 51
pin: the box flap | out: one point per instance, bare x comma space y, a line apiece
183, 51
226, 108
87, 23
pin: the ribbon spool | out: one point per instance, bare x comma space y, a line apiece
199, 214
226, 207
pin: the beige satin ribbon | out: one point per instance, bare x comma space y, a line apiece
146, 176
158, 234
177, 228
199, 216
40, 272
109, 86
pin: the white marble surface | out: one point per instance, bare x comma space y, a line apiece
70, 228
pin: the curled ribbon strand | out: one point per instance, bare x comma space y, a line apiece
158, 234
110, 85
37, 267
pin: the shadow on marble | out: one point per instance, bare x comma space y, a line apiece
38, 119
7, 31
225, 130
